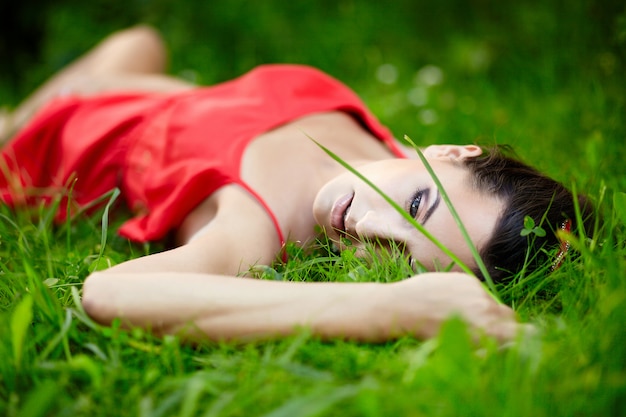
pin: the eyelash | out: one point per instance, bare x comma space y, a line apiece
413, 207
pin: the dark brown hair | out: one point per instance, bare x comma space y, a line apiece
525, 192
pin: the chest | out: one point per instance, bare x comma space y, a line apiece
287, 168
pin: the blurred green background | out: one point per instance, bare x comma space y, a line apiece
547, 76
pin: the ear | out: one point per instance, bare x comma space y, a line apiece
454, 152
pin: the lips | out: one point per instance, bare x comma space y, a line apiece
339, 212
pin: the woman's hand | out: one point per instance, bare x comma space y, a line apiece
422, 303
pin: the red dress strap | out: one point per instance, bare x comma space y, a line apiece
272, 216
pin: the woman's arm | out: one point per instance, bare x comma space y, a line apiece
203, 306
192, 290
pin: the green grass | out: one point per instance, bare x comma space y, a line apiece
547, 77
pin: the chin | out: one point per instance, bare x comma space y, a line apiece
321, 210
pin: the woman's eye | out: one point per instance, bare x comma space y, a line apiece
415, 203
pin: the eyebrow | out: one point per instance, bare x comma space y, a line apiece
432, 208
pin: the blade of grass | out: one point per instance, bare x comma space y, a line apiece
399, 209
315, 402
20, 322
110, 197
59, 336
457, 219
68, 217
105, 219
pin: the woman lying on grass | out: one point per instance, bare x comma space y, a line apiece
230, 173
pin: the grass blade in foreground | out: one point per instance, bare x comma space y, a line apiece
399, 209
457, 219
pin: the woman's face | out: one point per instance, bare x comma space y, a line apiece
346, 207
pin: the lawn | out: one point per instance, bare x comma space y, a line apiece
547, 77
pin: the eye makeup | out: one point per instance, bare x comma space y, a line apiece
416, 201
432, 208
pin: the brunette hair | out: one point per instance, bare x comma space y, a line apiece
525, 192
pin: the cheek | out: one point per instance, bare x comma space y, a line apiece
431, 256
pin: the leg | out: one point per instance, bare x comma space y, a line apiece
132, 59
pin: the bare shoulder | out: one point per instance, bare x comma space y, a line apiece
237, 228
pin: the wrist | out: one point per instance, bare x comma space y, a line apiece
407, 310
349, 311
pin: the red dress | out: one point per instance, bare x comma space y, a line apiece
165, 152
